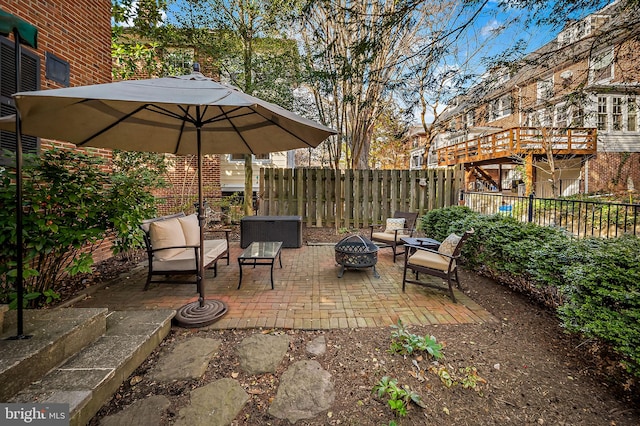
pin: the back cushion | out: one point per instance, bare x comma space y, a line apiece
191, 229
166, 233
449, 244
393, 224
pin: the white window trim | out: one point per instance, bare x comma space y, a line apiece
625, 113
253, 159
598, 56
545, 86
567, 115
500, 113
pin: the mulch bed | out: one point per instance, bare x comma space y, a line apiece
530, 371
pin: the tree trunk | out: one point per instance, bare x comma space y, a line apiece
248, 186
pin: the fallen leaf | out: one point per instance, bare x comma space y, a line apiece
235, 375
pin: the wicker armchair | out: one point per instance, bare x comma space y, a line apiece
392, 237
442, 263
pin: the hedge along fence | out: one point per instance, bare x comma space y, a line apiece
355, 198
593, 283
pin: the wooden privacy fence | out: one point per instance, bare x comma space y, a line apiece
354, 198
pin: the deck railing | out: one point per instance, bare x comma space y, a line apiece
578, 217
519, 141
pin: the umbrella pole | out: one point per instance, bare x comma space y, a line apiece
19, 228
200, 218
202, 312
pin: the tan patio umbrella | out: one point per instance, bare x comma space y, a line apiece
189, 114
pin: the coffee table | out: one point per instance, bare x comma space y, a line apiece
429, 243
261, 253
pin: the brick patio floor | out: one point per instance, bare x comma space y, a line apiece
307, 295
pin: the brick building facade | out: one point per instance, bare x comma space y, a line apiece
74, 49
586, 78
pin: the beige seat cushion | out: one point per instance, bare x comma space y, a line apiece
429, 259
393, 224
191, 229
186, 261
166, 233
384, 236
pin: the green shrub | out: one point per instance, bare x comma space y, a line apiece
594, 283
72, 202
435, 223
602, 291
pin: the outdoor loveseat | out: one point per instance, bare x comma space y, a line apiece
173, 248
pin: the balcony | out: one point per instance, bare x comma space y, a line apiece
519, 142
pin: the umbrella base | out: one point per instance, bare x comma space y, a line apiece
193, 315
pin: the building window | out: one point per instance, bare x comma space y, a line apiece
471, 118
500, 107
561, 116
577, 116
601, 67
545, 89
30, 80
257, 157
416, 160
602, 113
56, 69
178, 61
574, 32
632, 115
616, 111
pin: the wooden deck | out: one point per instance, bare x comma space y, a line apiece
519, 142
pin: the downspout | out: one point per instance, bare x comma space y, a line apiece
586, 176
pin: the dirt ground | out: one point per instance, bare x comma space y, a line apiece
528, 371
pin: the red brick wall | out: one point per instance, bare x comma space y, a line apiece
609, 172
183, 179
77, 31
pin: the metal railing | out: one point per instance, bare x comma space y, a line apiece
580, 218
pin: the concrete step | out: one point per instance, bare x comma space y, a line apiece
55, 334
89, 378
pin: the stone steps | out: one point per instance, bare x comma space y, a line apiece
77, 356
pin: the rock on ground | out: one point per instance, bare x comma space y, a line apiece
215, 404
317, 346
305, 390
145, 412
187, 360
262, 353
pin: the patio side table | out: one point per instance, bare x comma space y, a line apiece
261, 253
429, 243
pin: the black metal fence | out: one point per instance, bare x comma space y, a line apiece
580, 218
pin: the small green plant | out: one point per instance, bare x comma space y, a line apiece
471, 378
399, 397
49, 296
407, 343
445, 377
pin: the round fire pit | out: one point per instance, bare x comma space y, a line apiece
355, 251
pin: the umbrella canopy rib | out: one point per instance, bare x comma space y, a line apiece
286, 130
244, 141
112, 125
